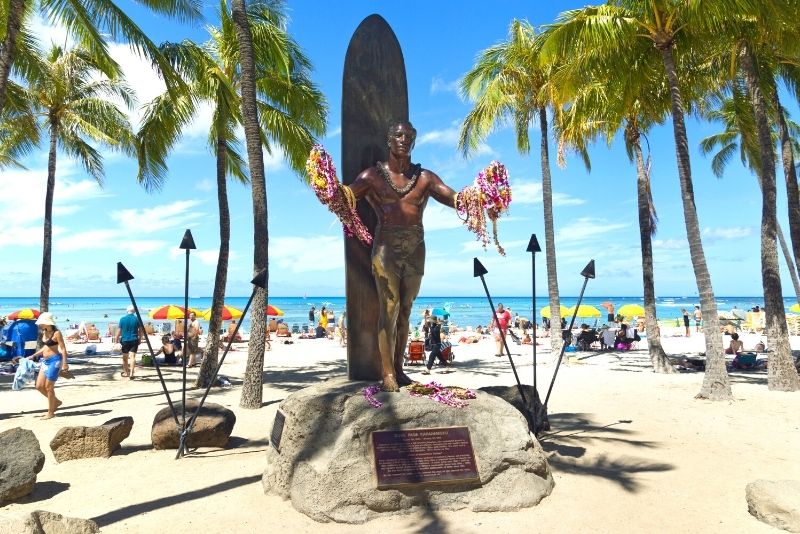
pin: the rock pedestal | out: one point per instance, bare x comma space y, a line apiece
20, 459
775, 502
212, 428
325, 465
73, 442
42, 522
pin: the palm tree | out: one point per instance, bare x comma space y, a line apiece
90, 24
605, 31
19, 131
70, 101
293, 111
253, 116
507, 84
597, 101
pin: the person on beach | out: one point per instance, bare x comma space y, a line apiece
192, 340
311, 319
343, 329
129, 334
436, 345
53, 361
698, 317
500, 327
231, 330
168, 350
686, 321
735, 346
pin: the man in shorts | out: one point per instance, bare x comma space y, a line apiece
500, 327
129, 334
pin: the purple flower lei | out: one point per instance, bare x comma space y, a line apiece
369, 394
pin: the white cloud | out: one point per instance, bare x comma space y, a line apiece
448, 136
735, 232
439, 85
670, 244
336, 132
531, 193
589, 228
439, 217
299, 254
206, 185
149, 220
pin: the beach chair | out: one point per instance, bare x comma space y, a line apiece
304, 328
415, 353
295, 329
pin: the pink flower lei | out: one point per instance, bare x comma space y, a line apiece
338, 198
489, 196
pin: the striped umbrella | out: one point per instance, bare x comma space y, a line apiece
169, 312
24, 313
228, 313
274, 310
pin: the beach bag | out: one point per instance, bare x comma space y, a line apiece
90, 349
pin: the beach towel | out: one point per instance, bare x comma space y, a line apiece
26, 372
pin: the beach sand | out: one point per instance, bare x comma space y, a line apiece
630, 450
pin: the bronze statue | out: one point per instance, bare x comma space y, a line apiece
398, 191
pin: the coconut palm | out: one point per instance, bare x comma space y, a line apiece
292, 112
71, 103
598, 102
606, 31
507, 84
19, 131
90, 24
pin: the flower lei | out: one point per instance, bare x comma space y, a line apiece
338, 198
489, 196
451, 396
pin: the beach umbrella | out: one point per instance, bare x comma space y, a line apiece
274, 310
631, 310
584, 310
440, 311
546, 311
170, 312
228, 313
793, 308
24, 313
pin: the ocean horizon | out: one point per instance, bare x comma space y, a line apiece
472, 311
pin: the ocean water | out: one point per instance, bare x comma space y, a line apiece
463, 310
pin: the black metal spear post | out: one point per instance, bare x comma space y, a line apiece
478, 270
587, 272
259, 281
123, 277
533, 248
187, 244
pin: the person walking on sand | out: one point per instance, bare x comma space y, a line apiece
500, 327
53, 361
686, 321
698, 317
193, 340
129, 335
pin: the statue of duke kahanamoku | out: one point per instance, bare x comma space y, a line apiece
398, 191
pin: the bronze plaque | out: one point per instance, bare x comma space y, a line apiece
277, 430
424, 456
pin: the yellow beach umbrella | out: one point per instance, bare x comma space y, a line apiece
795, 308
584, 310
631, 310
169, 312
546, 311
228, 313
24, 313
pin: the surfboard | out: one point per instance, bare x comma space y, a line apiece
374, 93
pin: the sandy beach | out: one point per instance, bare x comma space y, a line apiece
630, 450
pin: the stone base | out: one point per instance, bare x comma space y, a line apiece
325, 465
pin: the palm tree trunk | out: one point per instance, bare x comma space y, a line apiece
16, 9
549, 238
790, 177
790, 265
209, 364
253, 378
716, 383
781, 373
47, 244
658, 357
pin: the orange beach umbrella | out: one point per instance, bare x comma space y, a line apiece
170, 312
274, 310
228, 313
24, 313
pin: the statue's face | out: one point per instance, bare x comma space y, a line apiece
401, 139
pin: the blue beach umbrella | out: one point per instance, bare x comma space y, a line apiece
440, 311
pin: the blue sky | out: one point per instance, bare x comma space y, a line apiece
595, 213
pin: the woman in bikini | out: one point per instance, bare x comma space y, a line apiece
54, 360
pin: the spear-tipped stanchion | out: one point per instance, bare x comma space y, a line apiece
259, 281
533, 248
478, 270
123, 277
587, 272
187, 244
